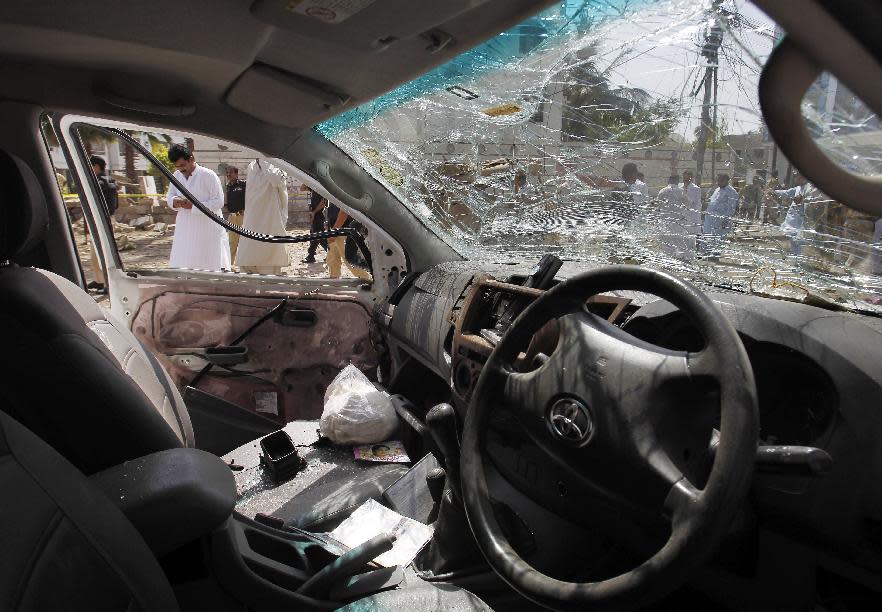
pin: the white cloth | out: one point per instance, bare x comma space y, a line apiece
693, 211
722, 205
199, 242
266, 212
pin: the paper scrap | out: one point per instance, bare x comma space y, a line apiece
385, 452
372, 519
503, 109
266, 402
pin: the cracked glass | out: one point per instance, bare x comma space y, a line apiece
628, 132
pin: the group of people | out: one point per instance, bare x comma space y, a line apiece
687, 228
259, 205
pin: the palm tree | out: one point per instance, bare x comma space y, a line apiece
596, 111
91, 135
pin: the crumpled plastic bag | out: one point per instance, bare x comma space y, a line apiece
356, 412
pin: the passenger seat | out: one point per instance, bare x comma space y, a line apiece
70, 371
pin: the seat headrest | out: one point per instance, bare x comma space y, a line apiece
25, 217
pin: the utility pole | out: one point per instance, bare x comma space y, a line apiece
701, 139
714, 131
713, 38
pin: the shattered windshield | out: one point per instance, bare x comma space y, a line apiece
628, 132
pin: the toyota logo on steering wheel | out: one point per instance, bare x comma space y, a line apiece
570, 420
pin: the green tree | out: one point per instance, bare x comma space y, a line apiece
92, 135
594, 110
720, 141
159, 148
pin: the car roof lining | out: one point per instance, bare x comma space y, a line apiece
98, 52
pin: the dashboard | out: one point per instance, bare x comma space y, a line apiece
818, 375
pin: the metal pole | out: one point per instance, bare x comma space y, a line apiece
701, 144
714, 133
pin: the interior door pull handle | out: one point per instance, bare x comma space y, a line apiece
218, 355
297, 317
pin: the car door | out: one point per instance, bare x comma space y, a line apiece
268, 344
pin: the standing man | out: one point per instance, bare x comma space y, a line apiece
235, 206
722, 205
751, 194
770, 200
108, 186
338, 219
634, 182
800, 195
673, 197
676, 239
317, 206
199, 243
693, 203
109, 195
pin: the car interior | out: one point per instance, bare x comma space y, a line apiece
610, 436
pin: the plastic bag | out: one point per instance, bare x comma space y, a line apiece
356, 412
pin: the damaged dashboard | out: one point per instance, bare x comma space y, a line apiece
818, 374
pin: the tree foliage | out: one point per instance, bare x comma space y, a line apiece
595, 110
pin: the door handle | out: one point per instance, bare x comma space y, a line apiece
223, 355
296, 317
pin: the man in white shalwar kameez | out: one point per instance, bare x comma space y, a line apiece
802, 194
199, 242
266, 212
673, 207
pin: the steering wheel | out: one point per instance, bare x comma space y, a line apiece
593, 407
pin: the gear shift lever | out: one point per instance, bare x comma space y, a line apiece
448, 549
441, 422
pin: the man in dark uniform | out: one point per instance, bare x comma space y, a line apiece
317, 206
235, 206
108, 186
338, 219
109, 193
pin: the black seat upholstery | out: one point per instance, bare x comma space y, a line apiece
64, 545
71, 372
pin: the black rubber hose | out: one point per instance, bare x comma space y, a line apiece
346, 564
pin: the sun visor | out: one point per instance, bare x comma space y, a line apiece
282, 98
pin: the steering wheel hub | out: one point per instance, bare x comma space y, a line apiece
571, 421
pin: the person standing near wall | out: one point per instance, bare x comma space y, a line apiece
317, 206
199, 243
235, 206
109, 193
338, 219
693, 203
